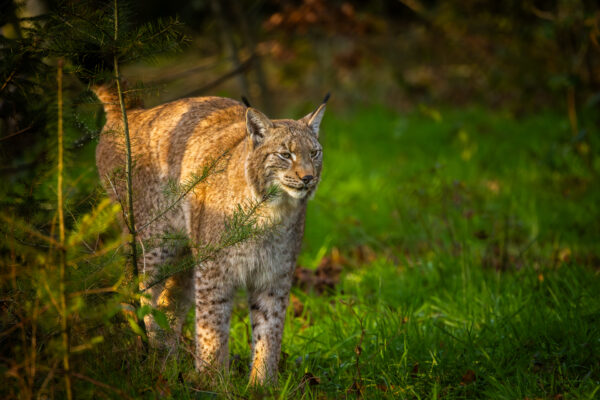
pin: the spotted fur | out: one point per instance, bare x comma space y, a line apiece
172, 142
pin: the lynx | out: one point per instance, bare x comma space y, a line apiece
171, 142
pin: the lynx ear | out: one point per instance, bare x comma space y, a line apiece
257, 125
313, 120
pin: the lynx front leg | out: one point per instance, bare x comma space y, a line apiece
267, 314
214, 299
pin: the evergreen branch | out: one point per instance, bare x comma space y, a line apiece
13, 223
128, 170
241, 226
185, 189
89, 21
90, 223
22, 322
85, 33
140, 34
64, 323
95, 254
150, 40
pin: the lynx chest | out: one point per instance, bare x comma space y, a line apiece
259, 261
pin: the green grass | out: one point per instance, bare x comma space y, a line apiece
521, 337
424, 182
486, 277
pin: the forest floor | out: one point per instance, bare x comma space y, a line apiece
447, 254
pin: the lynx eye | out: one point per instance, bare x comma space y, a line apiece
285, 155
314, 153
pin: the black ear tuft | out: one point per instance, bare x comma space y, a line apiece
326, 99
313, 120
246, 102
257, 125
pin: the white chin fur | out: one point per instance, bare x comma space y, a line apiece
296, 194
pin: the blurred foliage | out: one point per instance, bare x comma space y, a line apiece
520, 55
62, 294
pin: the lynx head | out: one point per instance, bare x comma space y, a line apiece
285, 153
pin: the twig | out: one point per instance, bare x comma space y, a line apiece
119, 200
130, 221
143, 257
572, 110
357, 349
128, 165
33, 347
545, 15
414, 5
62, 249
16, 133
22, 322
8, 79
229, 42
100, 384
241, 68
99, 253
164, 79
47, 379
128, 161
110, 289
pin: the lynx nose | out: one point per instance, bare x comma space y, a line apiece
306, 179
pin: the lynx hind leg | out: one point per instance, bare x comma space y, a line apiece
173, 296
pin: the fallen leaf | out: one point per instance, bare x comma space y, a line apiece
382, 387
309, 378
364, 254
468, 377
162, 386
328, 273
414, 372
481, 234
304, 278
297, 306
564, 255
324, 278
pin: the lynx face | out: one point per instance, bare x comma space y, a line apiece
285, 153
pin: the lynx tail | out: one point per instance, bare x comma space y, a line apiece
109, 98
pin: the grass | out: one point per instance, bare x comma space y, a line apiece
470, 243
487, 279
426, 326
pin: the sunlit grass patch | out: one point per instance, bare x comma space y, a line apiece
446, 328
